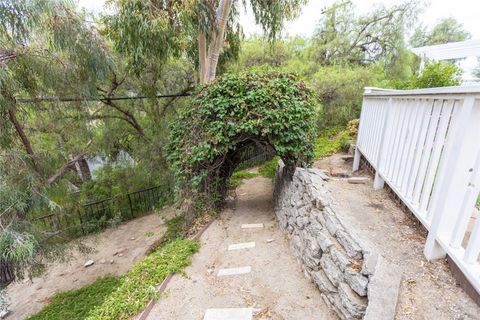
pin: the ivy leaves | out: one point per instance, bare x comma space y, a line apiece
256, 106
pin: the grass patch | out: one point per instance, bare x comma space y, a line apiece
332, 140
123, 297
268, 169
138, 285
238, 176
76, 304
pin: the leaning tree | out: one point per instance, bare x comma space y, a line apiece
232, 113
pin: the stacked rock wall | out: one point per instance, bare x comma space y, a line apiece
330, 253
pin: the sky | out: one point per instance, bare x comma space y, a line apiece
465, 11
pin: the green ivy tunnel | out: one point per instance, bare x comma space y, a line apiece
258, 107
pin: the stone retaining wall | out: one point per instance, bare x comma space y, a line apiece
350, 275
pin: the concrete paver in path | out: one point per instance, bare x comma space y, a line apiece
229, 314
252, 225
238, 246
234, 271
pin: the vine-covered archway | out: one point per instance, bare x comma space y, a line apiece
259, 107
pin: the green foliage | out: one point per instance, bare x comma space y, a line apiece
138, 285
174, 229
18, 249
269, 168
340, 91
438, 74
344, 37
141, 33
435, 74
151, 32
119, 179
77, 304
232, 113
332, 140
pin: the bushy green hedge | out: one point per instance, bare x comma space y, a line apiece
256, 106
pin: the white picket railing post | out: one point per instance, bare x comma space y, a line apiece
356, 159
469, 201
452, 178
379, 182
358, 155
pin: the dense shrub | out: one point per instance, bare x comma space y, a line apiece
340, 91
228, 116
435, 74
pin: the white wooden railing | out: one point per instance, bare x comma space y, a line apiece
425, 144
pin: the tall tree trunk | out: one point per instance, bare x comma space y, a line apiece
223, 11
202, 56
25, 141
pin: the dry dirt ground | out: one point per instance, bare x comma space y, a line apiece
276, 286
124, 245
428, 290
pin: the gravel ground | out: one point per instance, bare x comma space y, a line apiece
428, 289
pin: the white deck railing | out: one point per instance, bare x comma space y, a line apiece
425, 144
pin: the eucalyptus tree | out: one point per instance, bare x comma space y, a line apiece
147, 32
46, 49
344, 37
445, 30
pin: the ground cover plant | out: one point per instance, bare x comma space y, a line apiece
125, 296
137, 287
76, 304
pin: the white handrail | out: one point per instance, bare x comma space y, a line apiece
457, 90
425, 144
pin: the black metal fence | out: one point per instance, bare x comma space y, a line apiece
255, 155
97, 215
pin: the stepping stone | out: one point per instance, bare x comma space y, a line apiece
229, 314
358, 180
233, 271
252, 225
239, 246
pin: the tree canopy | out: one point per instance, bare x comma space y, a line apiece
151, 31
445, 31
343, 36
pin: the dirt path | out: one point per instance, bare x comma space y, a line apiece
124, 245
276, 286
428, 290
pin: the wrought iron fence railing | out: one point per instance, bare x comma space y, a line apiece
97, 215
